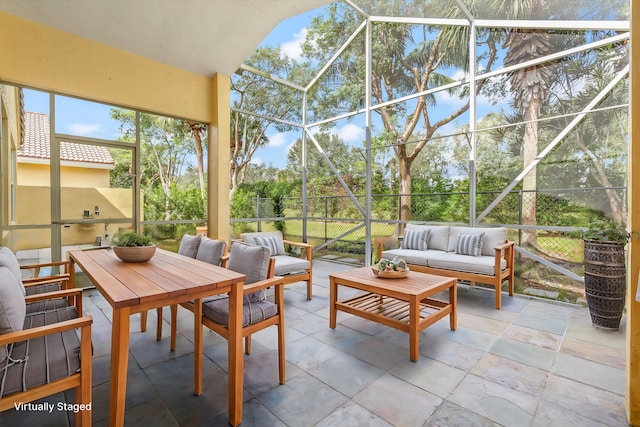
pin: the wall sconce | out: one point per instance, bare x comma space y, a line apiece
86, 214
96, 210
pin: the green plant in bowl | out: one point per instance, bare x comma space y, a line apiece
606, 231
130, 239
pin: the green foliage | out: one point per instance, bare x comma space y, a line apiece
130, 238
605, 230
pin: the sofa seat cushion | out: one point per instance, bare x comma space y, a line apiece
44, 359
412, 256
286, 264
252, 312
466, 263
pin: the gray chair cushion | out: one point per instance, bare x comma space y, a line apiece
253, 262
211, 251
189, 245
218, 311
285, 264
41, 289
45, 359
12, 308
250, 238
8, 259
12, 305
492, 237
46, 305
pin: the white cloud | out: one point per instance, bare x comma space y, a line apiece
351, 133
256, 161
293, 48
277, 140
83, 129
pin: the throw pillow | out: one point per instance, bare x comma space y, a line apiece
268, 242
414, 239
470, 244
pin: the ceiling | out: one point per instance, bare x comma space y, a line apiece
202, 36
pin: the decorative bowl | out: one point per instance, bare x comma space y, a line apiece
397, 274
135, 253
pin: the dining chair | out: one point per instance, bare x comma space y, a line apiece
258, 312
201, 248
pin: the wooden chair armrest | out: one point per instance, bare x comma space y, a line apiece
224, 261
37, 267
306, 246
504, 246
299, 244
65, 293
40, 331
36, 281
263, 284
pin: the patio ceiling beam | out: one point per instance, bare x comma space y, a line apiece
262, 116
336, 55
604, 92
270, 76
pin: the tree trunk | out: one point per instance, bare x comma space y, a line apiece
529, 183
404, 170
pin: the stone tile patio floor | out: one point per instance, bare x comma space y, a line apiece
533, 363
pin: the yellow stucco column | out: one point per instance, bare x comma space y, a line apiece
632, 392
219, 137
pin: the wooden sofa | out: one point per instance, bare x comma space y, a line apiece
478, 255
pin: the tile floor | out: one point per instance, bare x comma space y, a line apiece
533, 363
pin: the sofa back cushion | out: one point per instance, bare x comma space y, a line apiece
250, 238
492, 237
189, 245
8, 259
438, 235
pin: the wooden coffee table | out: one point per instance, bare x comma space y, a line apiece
405, 303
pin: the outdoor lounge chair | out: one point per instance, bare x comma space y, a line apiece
40, 351
292, 269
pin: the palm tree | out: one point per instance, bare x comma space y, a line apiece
529, 87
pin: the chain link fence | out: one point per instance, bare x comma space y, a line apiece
544, 224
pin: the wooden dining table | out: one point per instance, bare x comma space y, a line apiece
166, 279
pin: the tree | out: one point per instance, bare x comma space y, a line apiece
165, 146
408, 59
259, 95
529, 87
198, 132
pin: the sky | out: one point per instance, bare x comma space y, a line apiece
82, 118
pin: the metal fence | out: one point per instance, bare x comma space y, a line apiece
549, 252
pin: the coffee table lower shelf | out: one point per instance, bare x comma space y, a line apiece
393, 312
